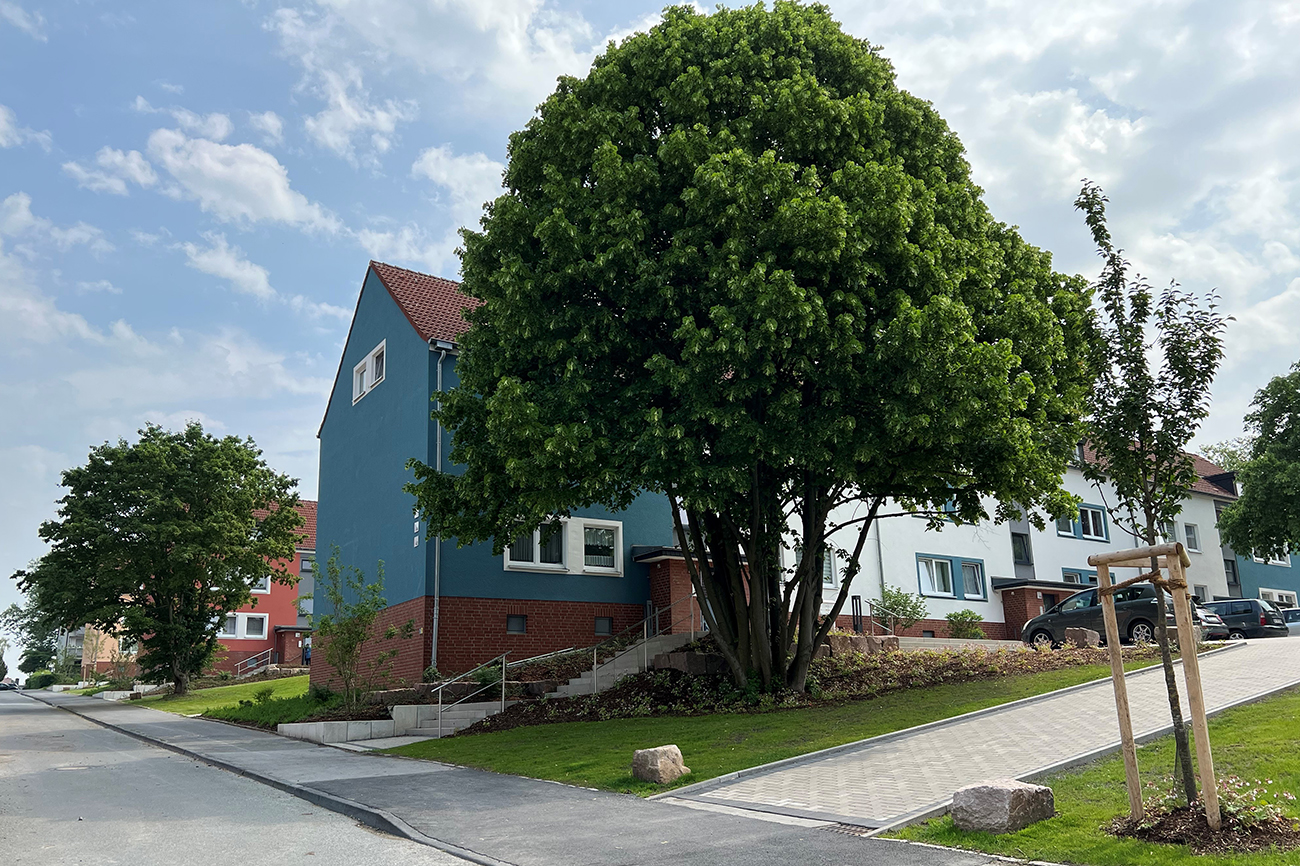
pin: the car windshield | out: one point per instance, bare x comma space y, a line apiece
1292, 615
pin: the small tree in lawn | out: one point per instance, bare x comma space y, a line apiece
1265, 520
348, 629
902, 609
157, 539
1159, 357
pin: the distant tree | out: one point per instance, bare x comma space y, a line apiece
1230, 454
1265, 520
737, 266
346, 632
4, 666
34, 628
33, 659
1160, 356
158, 539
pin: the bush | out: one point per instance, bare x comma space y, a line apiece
320, 693
264, 694
225, 676
275, 711
41, 679
431, 675
964, 625
902, 609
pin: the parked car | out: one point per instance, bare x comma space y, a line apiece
1135, 614
1292, 617
1250, 617
5, 687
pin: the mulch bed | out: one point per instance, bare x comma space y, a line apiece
1187, 826
364, 713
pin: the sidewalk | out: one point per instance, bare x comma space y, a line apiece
493, 819
901, 777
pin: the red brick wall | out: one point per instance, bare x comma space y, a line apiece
992, 630
412, 653
473, 630
669, 582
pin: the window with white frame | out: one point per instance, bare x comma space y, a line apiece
1064, 526
542, 547
369, 372
229, 626
1280, 597
262, 585
244, 626
828, 564
1202, 592
1192, 533
1167, 532
936, 576
127, 645
972, 580
1093, 521
1286, 562
254, 625
600, 547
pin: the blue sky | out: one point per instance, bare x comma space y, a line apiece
189, 192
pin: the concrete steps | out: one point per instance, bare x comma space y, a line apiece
421, 720
631, 661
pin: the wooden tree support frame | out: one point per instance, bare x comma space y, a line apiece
1172, 558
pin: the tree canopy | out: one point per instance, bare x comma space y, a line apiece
159, 538
736, 265
1266, 519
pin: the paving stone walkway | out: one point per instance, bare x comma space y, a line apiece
885, 780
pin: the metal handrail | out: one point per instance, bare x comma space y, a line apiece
872, 606
253, 662
644, 625
540, 657
501, 659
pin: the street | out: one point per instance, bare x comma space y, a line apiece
74, 792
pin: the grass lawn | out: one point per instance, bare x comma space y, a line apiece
202, 700
1259, 741
599, 754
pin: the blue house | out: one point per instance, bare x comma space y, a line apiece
1275, 580
468, 605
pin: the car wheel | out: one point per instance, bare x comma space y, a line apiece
1236, 635
1042, 639
1142, 632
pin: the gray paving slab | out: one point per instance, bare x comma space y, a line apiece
497, 819
881, 781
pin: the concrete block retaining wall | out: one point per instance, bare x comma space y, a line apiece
338, 732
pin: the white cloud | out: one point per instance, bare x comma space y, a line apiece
228, 263
116, 168
215, 126
270, 124
236, 183
30, 23
172, 88
17, 220
12, 135
95, 286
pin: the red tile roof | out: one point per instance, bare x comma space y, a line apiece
433, 305
307, 508
1204, 471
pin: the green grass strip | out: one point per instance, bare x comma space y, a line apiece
203, 700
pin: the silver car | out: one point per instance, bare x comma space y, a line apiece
1292, 617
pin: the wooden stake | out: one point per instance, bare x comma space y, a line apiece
1195, 697
1121, 694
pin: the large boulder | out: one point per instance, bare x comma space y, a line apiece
881, 643
1001, 806
1082, 637
841, 644
661, 765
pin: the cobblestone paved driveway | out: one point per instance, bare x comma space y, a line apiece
880, 781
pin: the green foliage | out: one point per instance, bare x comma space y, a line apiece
902, 609
203, 700
737, 266
1266, 519
4, 667
34, 626
348, 627
1230, 454
964, 625
225, 676
431, 675
157, 539
34, 659
41, 679
275, 711
263, 694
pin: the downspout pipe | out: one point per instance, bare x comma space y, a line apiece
442, 347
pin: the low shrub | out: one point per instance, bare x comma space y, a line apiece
274, 711
42, 679
964, 625
264, 694
431, 675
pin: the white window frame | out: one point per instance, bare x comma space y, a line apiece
363, 374
1283, 598
1068, 530
1284, 563
127, 646
256, 588
1190, 531
1099, 515
982, 595
615, 525
929, 587
243, 626
228, 635
830, 571
536, 563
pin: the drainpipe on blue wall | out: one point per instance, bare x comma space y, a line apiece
442, 347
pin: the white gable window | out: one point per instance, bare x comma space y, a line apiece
369, 372
541, 549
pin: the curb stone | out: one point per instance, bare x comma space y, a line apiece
376, 819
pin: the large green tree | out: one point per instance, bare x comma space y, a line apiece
738, 266
1266, 519
1160, 355
159, 538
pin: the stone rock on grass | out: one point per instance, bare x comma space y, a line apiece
1001, 806
661, 765
841, 644
1082, 637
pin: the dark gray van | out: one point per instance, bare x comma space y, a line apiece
1250, 617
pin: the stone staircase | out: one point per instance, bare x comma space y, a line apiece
422, 720
629, 661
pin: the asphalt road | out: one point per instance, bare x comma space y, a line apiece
74, 792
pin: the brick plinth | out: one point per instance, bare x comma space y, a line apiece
992, 630
412, 657
670, 582
473, 630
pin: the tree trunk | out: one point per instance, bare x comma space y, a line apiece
1182, 750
